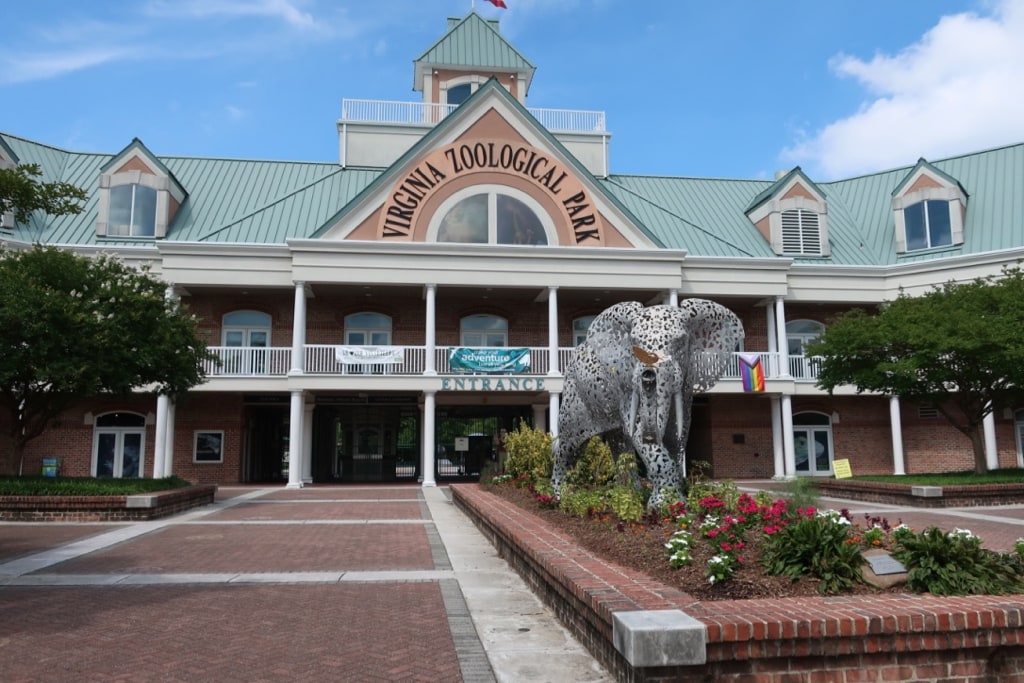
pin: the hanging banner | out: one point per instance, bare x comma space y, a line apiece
489, 360
751, 372
368, 355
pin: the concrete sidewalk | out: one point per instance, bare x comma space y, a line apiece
371, 583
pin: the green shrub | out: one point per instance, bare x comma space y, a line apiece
817, 545
627, 503
529, 453
627, 470
582, 502
954, 563
595, 465
85, 486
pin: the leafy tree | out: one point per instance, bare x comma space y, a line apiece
22, 193
959, 348
73, 327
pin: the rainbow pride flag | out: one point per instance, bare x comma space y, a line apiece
751, 372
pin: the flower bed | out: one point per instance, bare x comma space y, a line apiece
894, 636
105, 508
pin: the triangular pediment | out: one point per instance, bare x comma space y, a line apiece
490, 146
473, 44
136, 158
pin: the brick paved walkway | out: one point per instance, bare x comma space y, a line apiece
371, 583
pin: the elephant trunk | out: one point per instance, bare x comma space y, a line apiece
648, 413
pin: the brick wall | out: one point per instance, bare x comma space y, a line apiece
891, 637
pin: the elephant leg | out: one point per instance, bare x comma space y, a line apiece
662, 471
561, 465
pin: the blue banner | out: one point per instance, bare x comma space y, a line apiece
488, 360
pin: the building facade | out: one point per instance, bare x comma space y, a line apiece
388, 316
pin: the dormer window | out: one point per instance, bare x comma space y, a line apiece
801, 232
132, 211
459, 93
928, 210
491, 214
792, 214
138, 195
927, 225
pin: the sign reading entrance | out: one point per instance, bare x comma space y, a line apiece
400, 213
842, 469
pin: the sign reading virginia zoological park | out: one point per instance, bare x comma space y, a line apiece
407, 198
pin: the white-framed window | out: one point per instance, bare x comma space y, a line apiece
457, 94
931, 215
132, 211
136, 203
208, 446
368, 329
118, 445
483, 330
247, 334
491, 214
801, 233
800, 333
928, 224
580, 326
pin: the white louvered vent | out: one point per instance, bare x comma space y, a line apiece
927, 412
800, 232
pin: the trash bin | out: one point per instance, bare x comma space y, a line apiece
51, 466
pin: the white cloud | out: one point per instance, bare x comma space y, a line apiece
956, 90
21, 68
285, 10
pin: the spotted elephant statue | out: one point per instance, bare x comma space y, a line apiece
636, 372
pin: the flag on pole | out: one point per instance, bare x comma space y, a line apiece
751, 372
498, 3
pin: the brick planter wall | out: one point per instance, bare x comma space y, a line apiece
922, 496
821, 640
104, 508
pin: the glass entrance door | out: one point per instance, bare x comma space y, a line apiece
812, 444
118, 453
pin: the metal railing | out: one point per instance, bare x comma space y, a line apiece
428, 114
322, 359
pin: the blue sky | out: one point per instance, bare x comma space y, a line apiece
728, 88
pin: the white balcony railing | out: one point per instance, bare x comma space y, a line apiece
428, 114
322, 359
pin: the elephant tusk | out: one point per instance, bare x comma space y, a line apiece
634, 405
679, 417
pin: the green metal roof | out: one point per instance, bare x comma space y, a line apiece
262, 202
474, 42
230, 200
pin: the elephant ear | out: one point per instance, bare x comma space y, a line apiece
609, 334
716, 332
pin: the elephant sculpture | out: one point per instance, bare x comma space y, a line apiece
637, 372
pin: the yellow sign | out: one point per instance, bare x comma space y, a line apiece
842, 469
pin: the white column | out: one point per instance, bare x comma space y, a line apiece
160, 439
430, 293
553, 410
780, 334
777, 446
539, 418
787, 435
299, 330
169, 444
429, 442
896, 422
991, 450
553, 364
773, 347
295, 441
307, 443
673, 297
